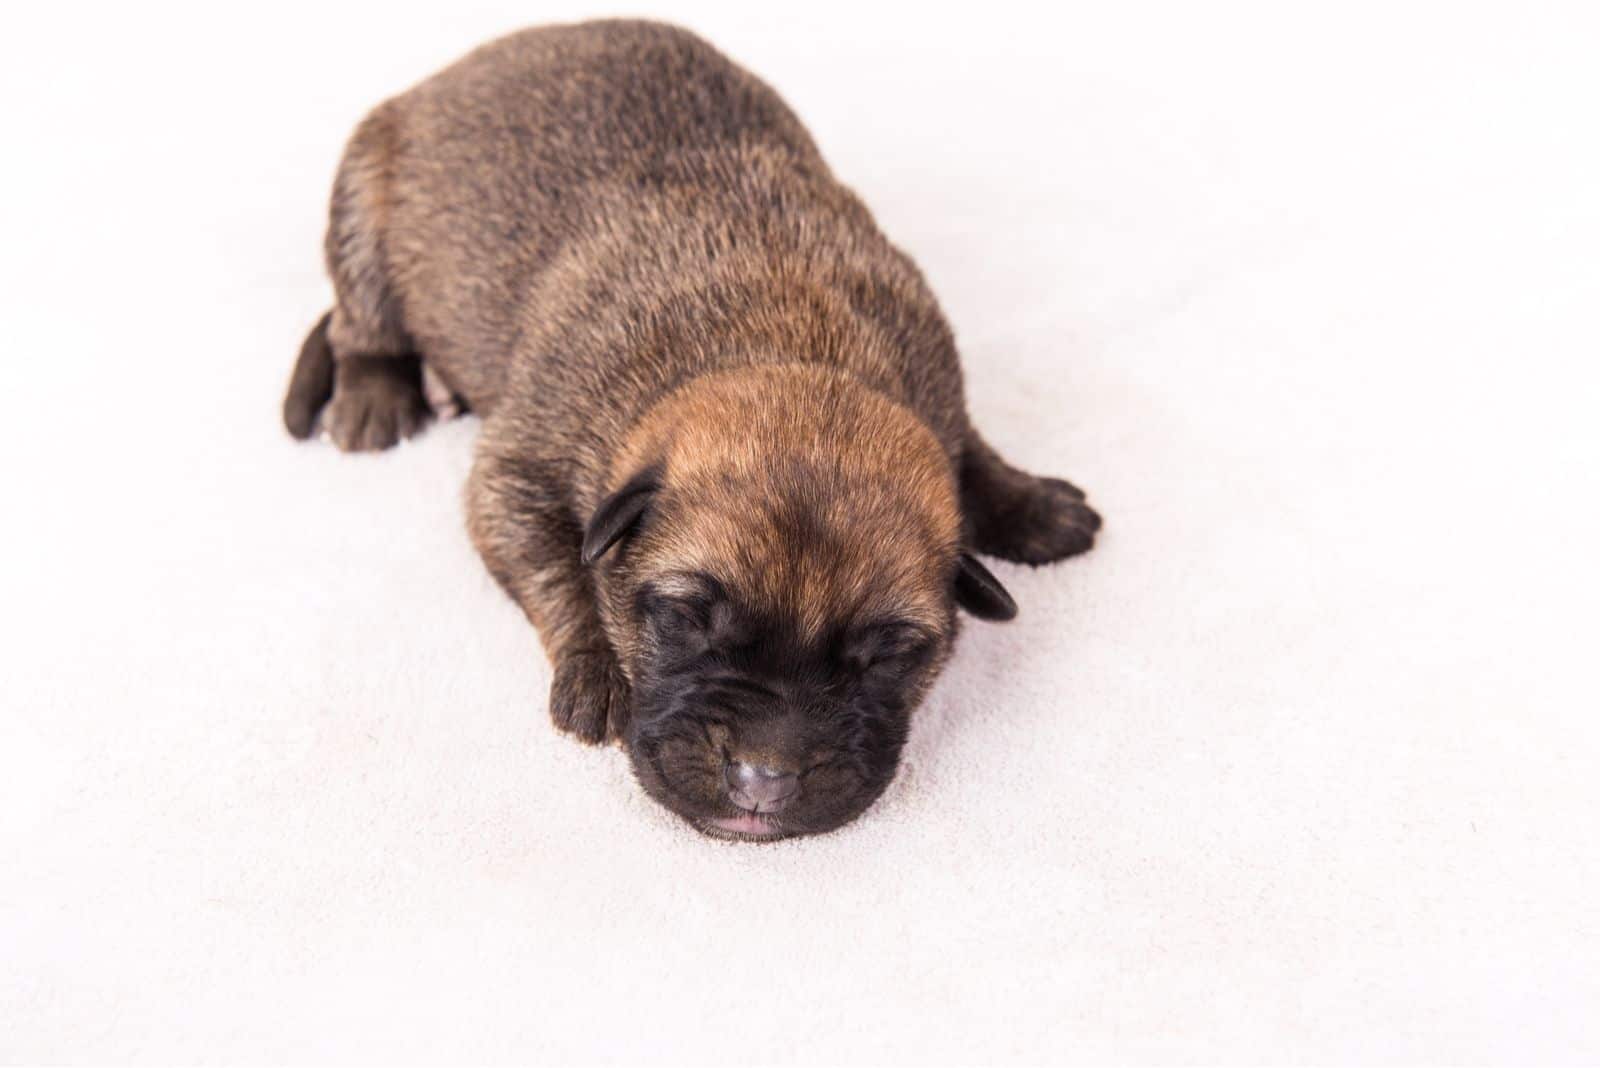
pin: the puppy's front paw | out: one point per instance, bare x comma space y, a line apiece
590, 696
1039, 520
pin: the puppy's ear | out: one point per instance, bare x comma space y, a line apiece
980, 592
618, 513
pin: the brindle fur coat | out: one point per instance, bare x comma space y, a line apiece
706, 379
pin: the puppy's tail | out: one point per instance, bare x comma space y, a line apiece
312, 382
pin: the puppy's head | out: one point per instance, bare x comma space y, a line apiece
780, 575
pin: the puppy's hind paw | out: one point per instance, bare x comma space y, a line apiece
377, 401
590, 697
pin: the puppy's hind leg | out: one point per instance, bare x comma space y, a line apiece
376, 400
1017, 516
377, 377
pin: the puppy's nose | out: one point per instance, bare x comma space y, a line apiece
761, 789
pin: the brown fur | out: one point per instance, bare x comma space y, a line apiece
628, 256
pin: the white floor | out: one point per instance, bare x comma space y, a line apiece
1299, 765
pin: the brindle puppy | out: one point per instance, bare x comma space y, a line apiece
726, 467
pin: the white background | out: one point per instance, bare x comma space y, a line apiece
1299, 764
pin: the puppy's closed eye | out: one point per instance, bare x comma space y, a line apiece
888, 650
693, 617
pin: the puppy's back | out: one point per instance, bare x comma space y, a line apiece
570, 104
485, 172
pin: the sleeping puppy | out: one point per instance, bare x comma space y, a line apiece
725, 467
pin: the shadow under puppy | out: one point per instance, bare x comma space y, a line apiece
725, 467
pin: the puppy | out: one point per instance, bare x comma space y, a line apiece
725, 467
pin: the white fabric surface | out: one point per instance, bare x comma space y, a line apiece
1298, 765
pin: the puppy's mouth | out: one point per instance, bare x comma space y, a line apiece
747, 826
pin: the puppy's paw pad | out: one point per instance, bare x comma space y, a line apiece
442, 400
589, 696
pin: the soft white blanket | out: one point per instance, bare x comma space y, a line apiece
1298, 765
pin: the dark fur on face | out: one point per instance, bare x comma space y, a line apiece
726, 468
722, 684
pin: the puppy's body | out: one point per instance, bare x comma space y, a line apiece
684, 335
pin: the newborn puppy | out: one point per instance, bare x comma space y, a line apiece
725, 467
